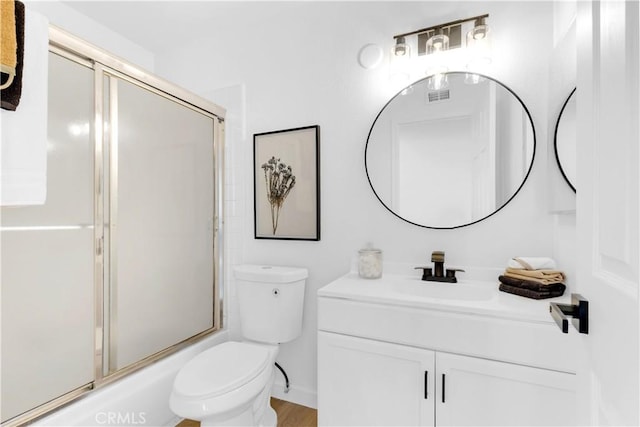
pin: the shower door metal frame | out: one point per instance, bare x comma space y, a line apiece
108, 65
110, 288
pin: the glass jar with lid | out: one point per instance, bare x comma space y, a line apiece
370, 263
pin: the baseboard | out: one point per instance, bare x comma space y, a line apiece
297, 395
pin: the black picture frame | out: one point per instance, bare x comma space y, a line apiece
286, 184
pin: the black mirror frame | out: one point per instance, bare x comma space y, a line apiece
533, 156
555, 140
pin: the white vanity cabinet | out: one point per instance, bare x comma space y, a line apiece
371, 383
409, 362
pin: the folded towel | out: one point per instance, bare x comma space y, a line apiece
541, 274
532, 263
538, 274
528, 293
11, 90
532, 285
8, 42
547, 280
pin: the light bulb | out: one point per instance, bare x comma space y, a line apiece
437, 43
479, 32
401, 48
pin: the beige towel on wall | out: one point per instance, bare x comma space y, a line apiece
8, 42
23, 158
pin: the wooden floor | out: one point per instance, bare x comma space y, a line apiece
292, 415
289, 415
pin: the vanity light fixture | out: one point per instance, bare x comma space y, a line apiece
440, 37
435, 48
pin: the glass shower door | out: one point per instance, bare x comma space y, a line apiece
160, 222
119, 267
47, 259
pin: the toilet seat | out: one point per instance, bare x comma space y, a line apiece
221, 369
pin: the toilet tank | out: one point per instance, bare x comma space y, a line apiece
270, 300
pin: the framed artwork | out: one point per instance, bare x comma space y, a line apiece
286, 184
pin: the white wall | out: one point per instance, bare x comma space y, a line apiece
74, 22
297, 62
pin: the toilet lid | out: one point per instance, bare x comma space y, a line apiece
221, 369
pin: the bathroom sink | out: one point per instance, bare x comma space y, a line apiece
448, 291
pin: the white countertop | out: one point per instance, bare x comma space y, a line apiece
411, 291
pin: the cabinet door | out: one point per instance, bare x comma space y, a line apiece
372, 383
471, 391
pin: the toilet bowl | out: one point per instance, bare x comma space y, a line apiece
222, 385
230, 384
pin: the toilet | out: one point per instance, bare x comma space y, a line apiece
230, 384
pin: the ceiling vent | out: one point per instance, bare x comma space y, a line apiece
439, 95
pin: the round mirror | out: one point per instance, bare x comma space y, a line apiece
565, 140
451, 151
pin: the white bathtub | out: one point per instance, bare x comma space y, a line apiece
140, 399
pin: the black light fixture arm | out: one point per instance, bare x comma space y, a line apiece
445, 25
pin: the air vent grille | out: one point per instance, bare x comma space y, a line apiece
439, 95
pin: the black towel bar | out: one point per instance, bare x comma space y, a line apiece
578, 310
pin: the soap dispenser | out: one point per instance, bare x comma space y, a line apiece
370, 262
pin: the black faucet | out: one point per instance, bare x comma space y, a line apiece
439, 275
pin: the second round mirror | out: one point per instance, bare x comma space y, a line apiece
565, 140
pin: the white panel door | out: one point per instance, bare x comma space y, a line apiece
479, 392
607, 209
371, 383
